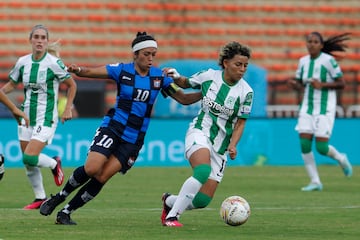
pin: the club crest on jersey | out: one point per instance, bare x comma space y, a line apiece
157, 83
230, 101
42, 75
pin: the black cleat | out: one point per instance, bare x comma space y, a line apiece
2, 168
64, 219
50, 204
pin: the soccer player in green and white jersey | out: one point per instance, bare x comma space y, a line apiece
40, 73
321, 76
215, 132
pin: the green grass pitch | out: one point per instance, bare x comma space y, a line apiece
129, 207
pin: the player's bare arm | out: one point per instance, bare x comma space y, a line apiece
93, 72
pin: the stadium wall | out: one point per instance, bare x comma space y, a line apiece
265, 142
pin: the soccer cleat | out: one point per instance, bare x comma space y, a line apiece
165, 209
58, 172
2, 166
346, 166
172, 222
35, 204
48, 206
64, 219
312, 187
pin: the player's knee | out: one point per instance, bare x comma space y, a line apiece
202, 173
30, 160
201, 200
322, 148
305, 145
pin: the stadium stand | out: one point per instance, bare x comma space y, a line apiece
95, 33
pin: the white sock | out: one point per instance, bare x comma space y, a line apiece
310, 167
335, 154
170, 200
187, 192
46, 161
36, 181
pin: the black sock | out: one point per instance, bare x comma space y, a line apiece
78, 178
84, 195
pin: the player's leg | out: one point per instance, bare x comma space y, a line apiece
94, 163
35, 178
201, 199
198, 152
207, 190
122, 158
35, 139
306, 128
201, 171
89, 191
310, 165
323, 133
33, 173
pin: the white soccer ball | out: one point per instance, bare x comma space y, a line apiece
235, 210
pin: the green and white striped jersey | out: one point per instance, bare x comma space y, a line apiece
41, 79
221, 106
325, 69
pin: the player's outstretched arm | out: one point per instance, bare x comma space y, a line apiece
91, 72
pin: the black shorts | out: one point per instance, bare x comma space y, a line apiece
108, 143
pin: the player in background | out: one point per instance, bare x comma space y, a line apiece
120, 136
321, 76
215, 132
40, 73
54, 49
18, 114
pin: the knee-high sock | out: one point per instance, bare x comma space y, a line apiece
77, 178
46, 161
187, 192
310, 167
172, 199
84, 195
36, 181
335, 154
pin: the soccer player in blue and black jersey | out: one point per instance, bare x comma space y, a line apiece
119, 138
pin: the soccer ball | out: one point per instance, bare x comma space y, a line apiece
235, 210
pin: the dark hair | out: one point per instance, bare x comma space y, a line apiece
231, 49
334, 43
39, 26
140, 37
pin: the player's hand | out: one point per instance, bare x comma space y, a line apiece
18, 115
171, 72
232, 152
67, 115
316, 84
73, 68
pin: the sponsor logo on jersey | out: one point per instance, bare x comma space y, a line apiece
216, 108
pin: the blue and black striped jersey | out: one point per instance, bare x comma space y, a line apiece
136, 95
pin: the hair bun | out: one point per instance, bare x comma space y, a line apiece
141, 34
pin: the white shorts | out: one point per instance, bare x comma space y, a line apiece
196, 139
318, 125
38, 132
